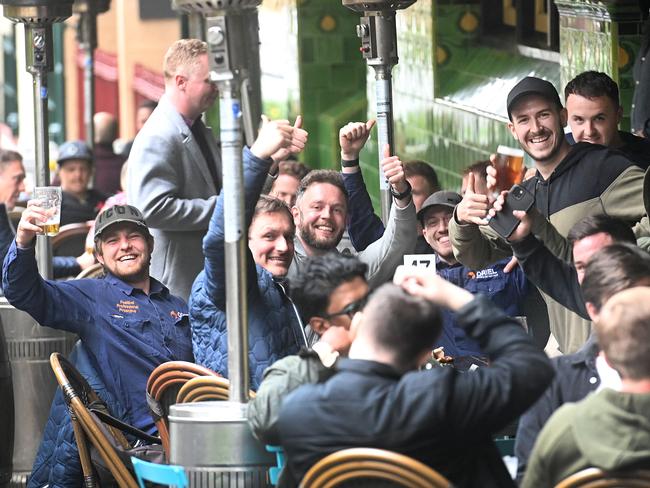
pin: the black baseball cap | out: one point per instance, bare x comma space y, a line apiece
532, 86
74, 150
119, 213
439, 199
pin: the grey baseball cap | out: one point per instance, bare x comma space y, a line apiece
118, 213
440, 199
532, 86
74, 150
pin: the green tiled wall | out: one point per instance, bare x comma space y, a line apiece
449, 89
601, 36
332, 76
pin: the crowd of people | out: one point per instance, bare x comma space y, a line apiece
341, 323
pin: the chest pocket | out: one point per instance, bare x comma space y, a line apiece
181, 343
137, 335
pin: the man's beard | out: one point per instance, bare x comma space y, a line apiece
308, 236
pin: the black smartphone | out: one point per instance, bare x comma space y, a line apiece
504, 222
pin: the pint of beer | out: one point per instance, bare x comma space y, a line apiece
50, 198
509, 165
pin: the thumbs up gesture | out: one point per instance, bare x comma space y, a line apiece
352, 138
278, 138
473, 208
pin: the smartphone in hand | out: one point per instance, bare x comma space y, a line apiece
504, 222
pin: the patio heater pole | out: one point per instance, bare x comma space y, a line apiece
379, 48
38, 17
233, 39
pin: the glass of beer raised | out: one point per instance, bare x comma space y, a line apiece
50, 198
509, 165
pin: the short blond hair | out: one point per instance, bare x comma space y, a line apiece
623, 332
183, 57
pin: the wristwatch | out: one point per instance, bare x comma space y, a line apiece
346, 163
404, 194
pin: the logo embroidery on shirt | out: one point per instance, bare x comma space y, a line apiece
127, 306
486, 274
177, 315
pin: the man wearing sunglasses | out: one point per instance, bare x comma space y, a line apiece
329, 290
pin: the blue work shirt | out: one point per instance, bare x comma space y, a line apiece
125, 332
506, 290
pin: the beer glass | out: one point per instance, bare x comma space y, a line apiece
509, 165
50, 198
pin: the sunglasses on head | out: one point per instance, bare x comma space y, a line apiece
350, 309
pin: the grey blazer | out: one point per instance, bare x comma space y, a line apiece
169, 181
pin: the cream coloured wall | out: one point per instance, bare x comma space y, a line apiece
121, 32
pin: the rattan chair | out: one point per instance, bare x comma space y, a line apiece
597, 478
71, 239
371, 467
162, 388
206, 389
88, 413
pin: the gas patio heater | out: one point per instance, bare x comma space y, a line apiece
379, 48
232, 457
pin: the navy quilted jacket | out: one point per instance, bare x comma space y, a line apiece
273, 329
57, 462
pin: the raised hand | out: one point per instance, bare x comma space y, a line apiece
299, 138
393, 169
279, 138
491, 177
424, 283
30, 223
352, 138
473, 208
525, 221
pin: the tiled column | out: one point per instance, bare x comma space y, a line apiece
332, 76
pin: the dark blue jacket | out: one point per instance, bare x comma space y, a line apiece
576, 376
273, 329
126, 331
57, 460
364, 227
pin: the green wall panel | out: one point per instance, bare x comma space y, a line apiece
332, 76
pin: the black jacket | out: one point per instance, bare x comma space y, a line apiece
575, 378
554, 276
442, 417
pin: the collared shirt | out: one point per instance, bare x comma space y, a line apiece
506, 290
126, 332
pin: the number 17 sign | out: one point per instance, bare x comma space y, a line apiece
427, 261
